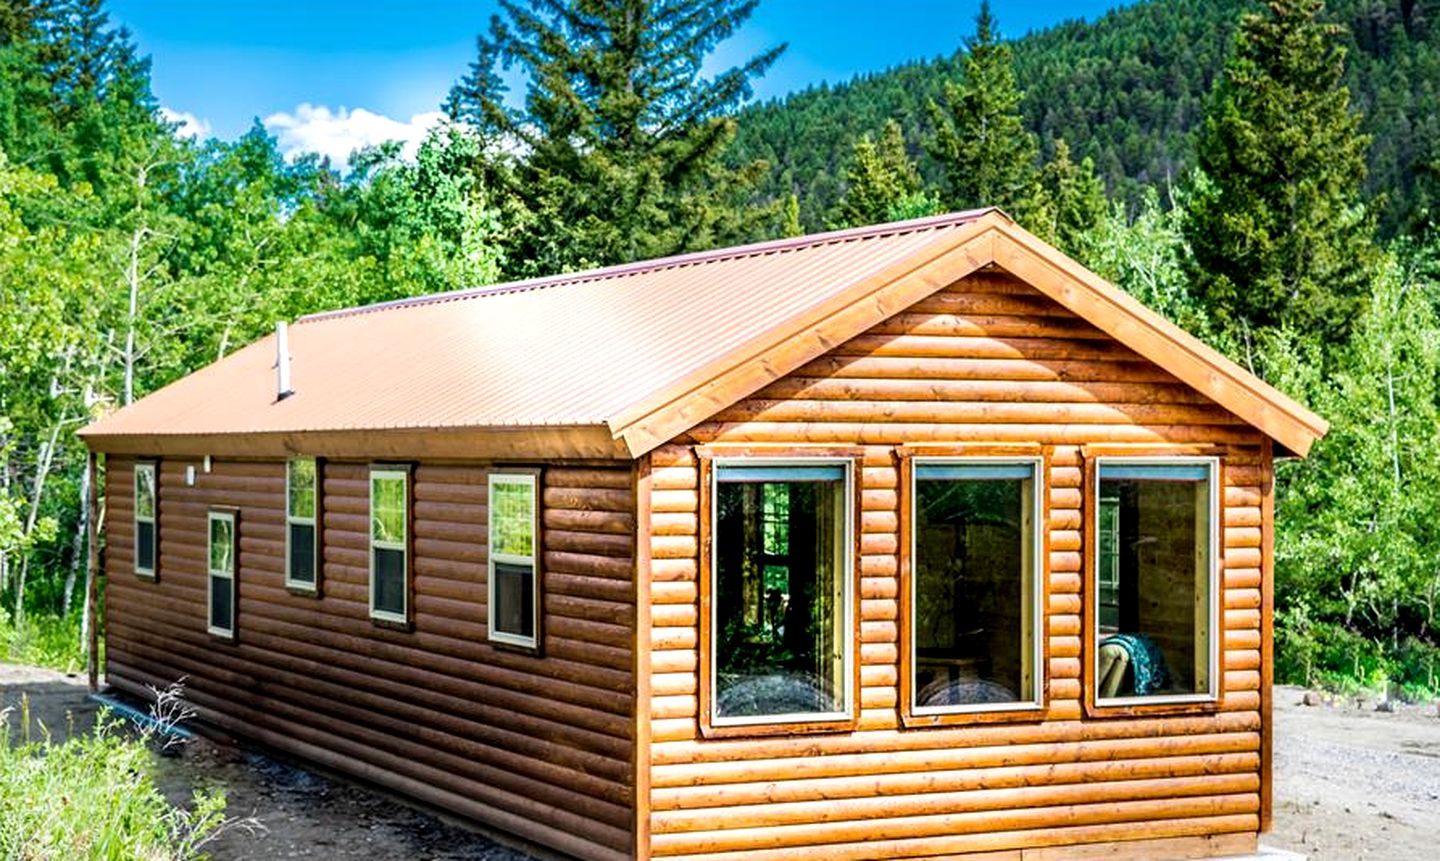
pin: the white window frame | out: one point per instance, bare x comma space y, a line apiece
1216, 634
312, 522
211, 574
146, 466
526, 480
1038, 571
845, 570
371, 544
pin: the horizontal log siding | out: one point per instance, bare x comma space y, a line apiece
541, 747
989, 360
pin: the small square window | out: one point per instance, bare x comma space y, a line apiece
513, 585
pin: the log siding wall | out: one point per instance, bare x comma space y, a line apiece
988, 360
541, 747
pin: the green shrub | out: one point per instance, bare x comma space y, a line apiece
93, 798
43, 640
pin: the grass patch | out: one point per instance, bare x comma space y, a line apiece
43, 640
93, 797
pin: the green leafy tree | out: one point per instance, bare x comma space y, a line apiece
1276, 223
980, 143
617, 149
882, 183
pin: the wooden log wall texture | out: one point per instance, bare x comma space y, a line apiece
542, 747
989, 360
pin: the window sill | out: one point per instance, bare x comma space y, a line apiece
764, 728
519, 647
149, 576
303, 590
1026, 713
393, 623
221, 635
1136, 707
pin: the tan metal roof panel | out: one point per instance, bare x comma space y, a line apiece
569, 350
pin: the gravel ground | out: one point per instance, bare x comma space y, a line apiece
1350, 782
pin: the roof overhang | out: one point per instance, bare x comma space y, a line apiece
992, 239
585, 442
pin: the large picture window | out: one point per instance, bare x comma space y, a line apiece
145, 513
781, 603
301, 504
222, 547
513, 594
1155, 578
975, 585
389, 544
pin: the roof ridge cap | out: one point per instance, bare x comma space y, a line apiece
693, 258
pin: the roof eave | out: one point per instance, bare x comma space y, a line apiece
548, 442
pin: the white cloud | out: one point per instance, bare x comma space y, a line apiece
337, 133
188, 125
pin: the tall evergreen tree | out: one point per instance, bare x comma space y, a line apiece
882, 183
619, 143
1074, 200
1277, 229
980, 141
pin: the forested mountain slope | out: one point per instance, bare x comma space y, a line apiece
1129, 90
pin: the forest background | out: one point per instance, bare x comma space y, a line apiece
1264, 174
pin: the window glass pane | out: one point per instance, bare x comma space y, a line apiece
1154, 572
512, 518
387, 508
222, 545
145, 492
515, 599
780, 638
222, 603
302, 553
302, 488
388, 583
145, 546
973, 588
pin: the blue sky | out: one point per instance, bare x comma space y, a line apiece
329, 74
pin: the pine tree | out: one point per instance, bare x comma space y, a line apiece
882, 183
1073, 200
1278, 233
980, 142
620, 140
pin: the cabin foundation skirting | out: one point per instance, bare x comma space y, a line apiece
954, 553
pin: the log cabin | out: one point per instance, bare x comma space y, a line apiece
916, 540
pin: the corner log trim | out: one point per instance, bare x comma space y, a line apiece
794, 342
1157, 339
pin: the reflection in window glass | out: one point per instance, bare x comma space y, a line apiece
145, 519
974, 586
221, 554
1155, 578
780, 599
300, 525
512, 559
389, 504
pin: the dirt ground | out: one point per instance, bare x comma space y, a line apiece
1350, 782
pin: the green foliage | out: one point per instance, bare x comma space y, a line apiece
93, 796
1277, 230
1358, 590
43, 640
980, 143
617, 149
1073, 201
882, 183
1128, 90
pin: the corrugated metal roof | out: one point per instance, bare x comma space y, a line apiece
572, 350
